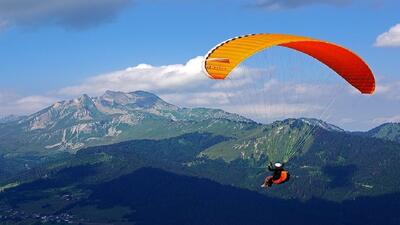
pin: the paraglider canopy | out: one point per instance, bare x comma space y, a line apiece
285, 85
223, 58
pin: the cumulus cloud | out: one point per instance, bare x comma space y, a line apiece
270, 112
390, 38
388, 89
144, 77
14, 104
261, 94
290, 4
186, 85
71, 14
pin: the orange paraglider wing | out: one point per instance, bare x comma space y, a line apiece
222, 59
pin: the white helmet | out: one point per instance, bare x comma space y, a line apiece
278, 165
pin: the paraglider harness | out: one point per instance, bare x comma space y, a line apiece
283, 178
280, 175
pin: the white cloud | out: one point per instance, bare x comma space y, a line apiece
144, 77
388, 89
269, 112
390, 38
261, 94
204, 98
35, 100
245, 91
12, 103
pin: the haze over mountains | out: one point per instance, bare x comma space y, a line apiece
84, 147
70, 125
114, 116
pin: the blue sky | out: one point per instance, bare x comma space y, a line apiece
46, 47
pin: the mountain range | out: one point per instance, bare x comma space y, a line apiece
82, 148
112, 117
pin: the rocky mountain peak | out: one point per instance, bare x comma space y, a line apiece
116, 97
134, 100
387, 131
314, 123
84, 98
